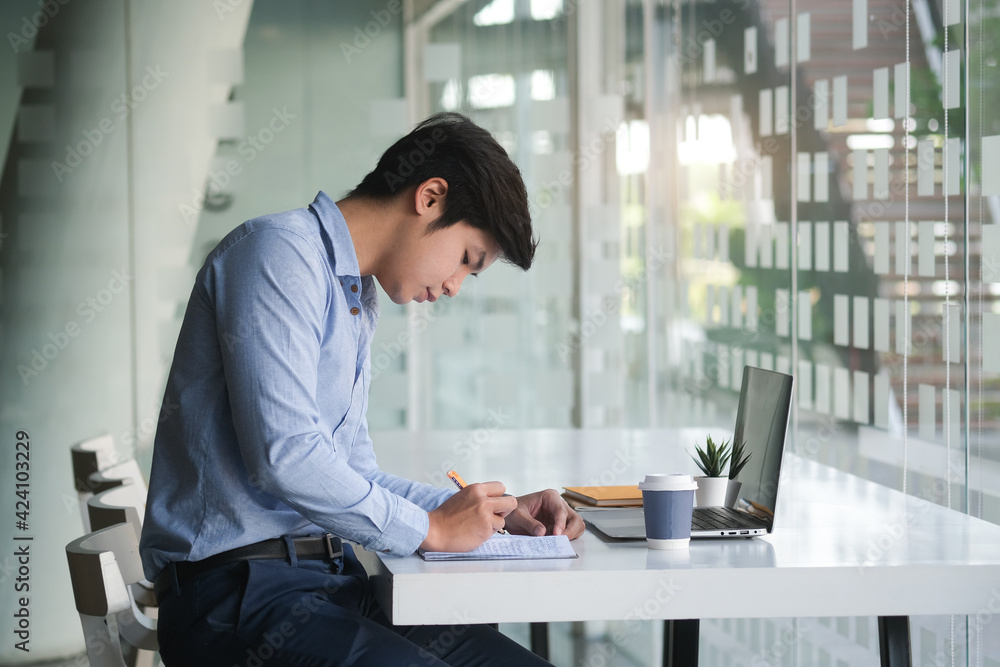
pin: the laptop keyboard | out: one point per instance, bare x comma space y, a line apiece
717, 518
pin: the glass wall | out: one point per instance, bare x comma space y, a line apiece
807, 186
565, 344
496, 357
835, 219
800, 186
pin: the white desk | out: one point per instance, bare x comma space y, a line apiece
842, 546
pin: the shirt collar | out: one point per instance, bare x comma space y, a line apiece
343, 256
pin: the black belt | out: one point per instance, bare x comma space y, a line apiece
321, 547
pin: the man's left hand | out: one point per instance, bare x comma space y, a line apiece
544, 513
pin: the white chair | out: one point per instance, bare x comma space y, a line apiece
102, 565
90, 456
124, 504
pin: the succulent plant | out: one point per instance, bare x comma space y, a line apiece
738, 459
713, 458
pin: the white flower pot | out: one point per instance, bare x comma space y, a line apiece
711, 491
733, 493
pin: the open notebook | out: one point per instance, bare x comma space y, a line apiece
510, 547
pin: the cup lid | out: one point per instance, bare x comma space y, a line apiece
664, 482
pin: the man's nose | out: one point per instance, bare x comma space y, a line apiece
453, 284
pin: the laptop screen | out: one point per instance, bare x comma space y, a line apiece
761, 420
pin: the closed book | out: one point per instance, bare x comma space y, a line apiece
605, 496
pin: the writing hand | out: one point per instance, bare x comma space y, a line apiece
544, 513
468, 518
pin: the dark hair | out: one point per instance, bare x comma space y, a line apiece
485, 188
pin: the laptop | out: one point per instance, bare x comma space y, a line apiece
761, 421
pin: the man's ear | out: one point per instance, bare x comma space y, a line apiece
429, 196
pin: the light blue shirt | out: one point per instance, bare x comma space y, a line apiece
263, 430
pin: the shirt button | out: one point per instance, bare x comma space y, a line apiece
354, 288
354, 311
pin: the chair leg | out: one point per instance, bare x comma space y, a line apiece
145, 658
103, 646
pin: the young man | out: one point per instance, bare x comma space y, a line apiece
268, 446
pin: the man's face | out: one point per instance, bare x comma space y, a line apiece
424, 266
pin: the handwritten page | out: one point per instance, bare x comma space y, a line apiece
510, 547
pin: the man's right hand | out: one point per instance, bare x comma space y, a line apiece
468, 518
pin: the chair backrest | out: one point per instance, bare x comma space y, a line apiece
90, 456
125, 503
111, 477
102, 565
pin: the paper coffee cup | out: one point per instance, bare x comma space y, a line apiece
667, 502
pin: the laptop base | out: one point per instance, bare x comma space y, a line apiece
628, 523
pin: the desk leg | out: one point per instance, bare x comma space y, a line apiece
894, 641
540, 640
680, 643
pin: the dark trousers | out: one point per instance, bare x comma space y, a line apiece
271, 613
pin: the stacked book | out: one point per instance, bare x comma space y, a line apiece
603, 496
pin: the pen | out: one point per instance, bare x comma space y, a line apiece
460, 483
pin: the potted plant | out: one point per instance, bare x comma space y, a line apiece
712, 460
737, 460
